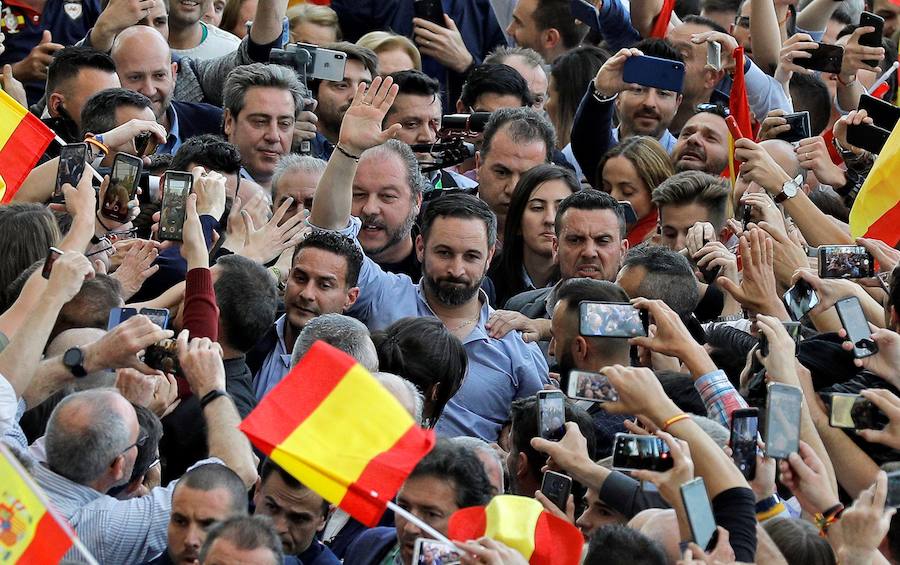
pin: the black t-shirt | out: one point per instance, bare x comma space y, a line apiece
735, 510
410, 266
710, 306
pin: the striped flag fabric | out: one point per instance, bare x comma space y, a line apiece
876, 210
661, 24
23, 139
336, 429
522, 524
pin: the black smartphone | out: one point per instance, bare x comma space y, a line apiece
827, 59
430, 10
800, 127
551, 406
746, 215
867, 136
873, 38
123, 184
72, 159
632, 452
556, 487
845, 262
893, 490
612, 319
793, 330
854, 321
594, 387
176, 188
664, 74
800, 299
853, 411
709, 275
628, 212
744, 428
586, 13
142, 143
119, 315
699, 512
159, 316
52, 255
884, 114
783, 407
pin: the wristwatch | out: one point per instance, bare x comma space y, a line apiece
73, 359
789, 189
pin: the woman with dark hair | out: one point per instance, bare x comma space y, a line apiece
27, 231
527, 260
422, 351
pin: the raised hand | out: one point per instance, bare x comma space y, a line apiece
608, 81
266, 243
758, 291
805, 475
361, 127
137, 266
887, 402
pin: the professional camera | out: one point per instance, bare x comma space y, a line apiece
452, 147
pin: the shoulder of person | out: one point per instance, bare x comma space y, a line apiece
524, 300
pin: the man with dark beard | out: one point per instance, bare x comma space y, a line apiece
455, 246
703, 142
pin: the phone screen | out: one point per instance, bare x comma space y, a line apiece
595, 387
783, 407
122, 186
633, 452
119, 315
72, 159
611, 319
845, 262
159, 316
699, 512
556, 487
433, 552
551, 414
175, 192
744, 427
800, 299
893, 490
714, 55
854, 321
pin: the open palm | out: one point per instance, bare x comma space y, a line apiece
361, 126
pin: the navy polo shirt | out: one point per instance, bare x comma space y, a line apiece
68, 21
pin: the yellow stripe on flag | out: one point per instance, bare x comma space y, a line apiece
12, 113
512, 520
879, 193
20, 510
315, 440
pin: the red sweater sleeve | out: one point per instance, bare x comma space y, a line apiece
201, 314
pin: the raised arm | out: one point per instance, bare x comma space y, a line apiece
766, 33
266, 27
814, 17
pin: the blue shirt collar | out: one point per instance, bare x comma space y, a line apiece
478, 332
173, 140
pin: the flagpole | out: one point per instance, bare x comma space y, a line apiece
94, 172
883, 78
421, 524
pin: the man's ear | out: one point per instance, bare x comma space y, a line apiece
117, 468
580, 350
420, 248
550, 38
228, 123
521, 470
712, 77
352, 295
54, 102
460, 107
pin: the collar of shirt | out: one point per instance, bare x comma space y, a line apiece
529, 284
478, 331
173, 140
67, 495
281, 349
667, 140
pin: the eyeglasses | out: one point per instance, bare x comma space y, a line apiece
742, 21
141, 440
122, 234
105, 246
716, 109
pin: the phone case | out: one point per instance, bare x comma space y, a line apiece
664, 74
854, 322
800, 127
777, 446
867, 136
871, 39
827, 59
120, 191
172, 215
884, 114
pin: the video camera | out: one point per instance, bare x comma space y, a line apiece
452, 148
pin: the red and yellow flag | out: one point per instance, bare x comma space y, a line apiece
331, 425
876, 210
524, 525
29, 532
23, 139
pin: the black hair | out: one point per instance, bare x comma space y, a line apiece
522, 125
728, 349
616, 543
720, 5
99, 112
668, 277
590, 199
506, 269
461, 206
572, 72
211, 476
557, 14
811, 94
461, 466
415, 82
424, 352
494, 79
659, 48
680, 388
210, 151
68, 62
338, 244
269, 467
702, 21
147, 453
247, 301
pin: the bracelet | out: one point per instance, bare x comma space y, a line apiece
827, 518
346, 154
675, 419
212, 395
97, 141
769, 507
842, 83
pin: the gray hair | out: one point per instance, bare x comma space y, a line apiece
293, 161
396, 384
417, 182
525, 125
713, 429
343, 332
85, 434
247, 533
246, 77
478, 445
499, 56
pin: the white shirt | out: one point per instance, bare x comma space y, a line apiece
214, 43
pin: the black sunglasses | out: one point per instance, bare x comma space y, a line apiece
716, 109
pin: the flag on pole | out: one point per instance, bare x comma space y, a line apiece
876, 210
522, 524
331, 425
23, 139
29, 531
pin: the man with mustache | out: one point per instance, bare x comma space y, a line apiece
703, 142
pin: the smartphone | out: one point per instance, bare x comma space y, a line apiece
852, 411
744, 428
793, 330
72, 159
845, 262
699, 512
867, 136
52, 255
586, 13
783, 419
123, 184
893, 490
854, 321
884, 114
827, 59
714, 55
595, 387
746, 215
874, 38
664, 74
430, 10
612, 319
551, 406
628, 212
119, 315
632, 452
556, 487
433, 552
176, 188
142, 144
159, 316
800, 127
734, 128
800, 299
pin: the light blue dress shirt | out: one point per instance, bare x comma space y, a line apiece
276, 365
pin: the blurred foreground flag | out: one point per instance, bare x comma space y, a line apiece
522, 524
331, 425
876, 210
23, 139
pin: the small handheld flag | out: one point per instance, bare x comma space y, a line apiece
876, 210
23, 139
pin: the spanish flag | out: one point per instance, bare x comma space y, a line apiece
23, 139
29, 531
661, 23
876, 210
524, 525
331, 425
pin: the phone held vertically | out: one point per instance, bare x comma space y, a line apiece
176, 188
853, 319
123, 185
699, 512
72, 160
52, 255
783, 411
551, 406
744, 429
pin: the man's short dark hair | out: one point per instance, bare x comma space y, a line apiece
660, 48
211, 476
270, 467
702, 21
91, 306
210, 151
247, 301
668, 277
719, 6
811, 94
620, 544
415, 82
68, 62
246, 533
461, 206
590, 200
460, 466
494, 79
557, 14
688, 187
99, 112
522, 125
338, 244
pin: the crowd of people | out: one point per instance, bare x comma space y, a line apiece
279, 205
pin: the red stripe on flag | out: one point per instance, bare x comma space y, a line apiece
385, 474
661, 23
467, 523
49, 544
887, 227
556, 542
21, 151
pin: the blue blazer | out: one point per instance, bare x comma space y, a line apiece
371, 547
196, 118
